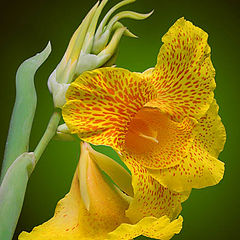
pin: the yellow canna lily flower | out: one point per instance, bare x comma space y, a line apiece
165, 119
95, 208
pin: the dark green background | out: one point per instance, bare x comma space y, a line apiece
26, 27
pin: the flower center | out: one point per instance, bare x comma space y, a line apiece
145, 131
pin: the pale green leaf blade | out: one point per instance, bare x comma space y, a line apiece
24, 109
12, 191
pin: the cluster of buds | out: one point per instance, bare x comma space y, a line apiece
91, 47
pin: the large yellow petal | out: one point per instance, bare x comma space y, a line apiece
150, 197
100, 104
200, 168
65, 223
210, 132
184, 74
73, 221
151, 227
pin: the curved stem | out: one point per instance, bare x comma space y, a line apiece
49, 133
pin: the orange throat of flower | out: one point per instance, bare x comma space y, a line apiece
146, 131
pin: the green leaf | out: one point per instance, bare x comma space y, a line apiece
12, 191
24, 109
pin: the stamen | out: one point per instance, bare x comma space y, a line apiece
148, 137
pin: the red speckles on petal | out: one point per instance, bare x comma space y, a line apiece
200, 167
184, 75
99, 108
150, 197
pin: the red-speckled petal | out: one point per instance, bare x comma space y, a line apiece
100, 104
184, 74
152, 227
150, 197
200, 168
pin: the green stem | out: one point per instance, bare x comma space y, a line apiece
48, 135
